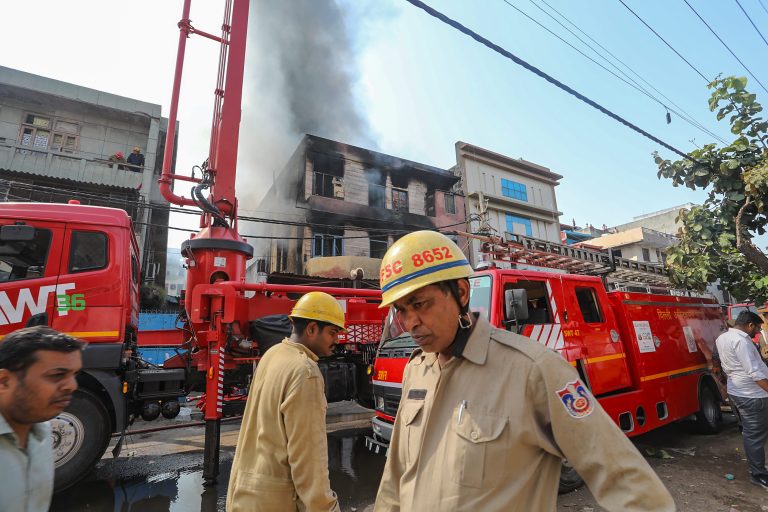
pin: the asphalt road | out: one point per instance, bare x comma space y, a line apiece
162, 471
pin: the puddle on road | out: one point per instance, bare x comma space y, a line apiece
355, 473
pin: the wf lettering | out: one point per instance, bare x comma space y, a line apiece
14, 313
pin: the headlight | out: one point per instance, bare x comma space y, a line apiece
380, 402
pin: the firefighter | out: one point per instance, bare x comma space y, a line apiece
281, 460
487, 416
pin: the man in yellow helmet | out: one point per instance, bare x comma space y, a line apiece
481, 423
281, 459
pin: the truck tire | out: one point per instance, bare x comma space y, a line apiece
709, 418
569, 479
80, 436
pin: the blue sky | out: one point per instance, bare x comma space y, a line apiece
423, 86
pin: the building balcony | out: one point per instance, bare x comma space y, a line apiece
68, 166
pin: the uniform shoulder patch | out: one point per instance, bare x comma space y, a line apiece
578, 402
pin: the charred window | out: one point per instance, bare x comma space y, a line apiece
399, 193
88, 251
328, 178
378, 246
429, 203
590, 309
24, 259
328, 242
377, 188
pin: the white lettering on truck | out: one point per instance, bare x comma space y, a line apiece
13, 314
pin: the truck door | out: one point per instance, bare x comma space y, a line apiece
30, 253
92, 308
604, 363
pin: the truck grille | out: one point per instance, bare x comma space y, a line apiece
391, 398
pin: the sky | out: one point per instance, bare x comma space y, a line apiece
420, 86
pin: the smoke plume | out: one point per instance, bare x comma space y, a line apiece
300, 78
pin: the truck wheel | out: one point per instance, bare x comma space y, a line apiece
80, 436
709, 418
569, 479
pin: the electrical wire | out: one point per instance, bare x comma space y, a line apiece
498, 49
752, 22
665, 42
763, 6
683, 114
628, 80
142, 205
726, 46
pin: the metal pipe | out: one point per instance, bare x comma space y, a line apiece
166, 179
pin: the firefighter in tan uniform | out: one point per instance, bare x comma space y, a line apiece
281, 460
487, 416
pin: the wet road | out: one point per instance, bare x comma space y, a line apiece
174, 482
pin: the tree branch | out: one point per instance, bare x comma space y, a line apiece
745, 245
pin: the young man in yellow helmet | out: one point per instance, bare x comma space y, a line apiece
481, 423
281, 459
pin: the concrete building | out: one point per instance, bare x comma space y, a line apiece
350, 204
511, 195
175, 273
662, 220
59, 141
639, 244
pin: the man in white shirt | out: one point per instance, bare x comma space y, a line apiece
748, 389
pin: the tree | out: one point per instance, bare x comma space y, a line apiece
716, 238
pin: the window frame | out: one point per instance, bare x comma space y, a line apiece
336, 240
54, 130
514, 189
397, 206
452, 203
101, 266
512, 219
45, 260
595, 303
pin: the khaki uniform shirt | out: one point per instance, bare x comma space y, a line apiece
488, 430
281, 459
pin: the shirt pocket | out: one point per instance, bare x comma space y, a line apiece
475, 437
412, 414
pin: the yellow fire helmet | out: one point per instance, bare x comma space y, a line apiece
319, 306
419, 259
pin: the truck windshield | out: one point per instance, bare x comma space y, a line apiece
735, 310
480, 295
402, 341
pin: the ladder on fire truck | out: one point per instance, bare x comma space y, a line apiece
617, 273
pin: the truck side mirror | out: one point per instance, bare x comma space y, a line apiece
17, 233
516, 304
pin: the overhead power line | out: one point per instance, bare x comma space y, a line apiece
498, 49
634, 84
763, 6
666, 43
752, 22
726, 46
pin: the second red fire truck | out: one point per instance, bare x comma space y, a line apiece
644, 352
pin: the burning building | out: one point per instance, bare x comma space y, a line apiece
337, 208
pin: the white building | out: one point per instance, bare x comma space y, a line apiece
511, 195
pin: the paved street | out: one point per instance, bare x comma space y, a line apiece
162, 471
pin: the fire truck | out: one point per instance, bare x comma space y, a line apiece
76, 268
643, 349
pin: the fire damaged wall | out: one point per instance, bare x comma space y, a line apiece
354, 203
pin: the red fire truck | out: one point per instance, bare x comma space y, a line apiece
76, 268
644, 352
